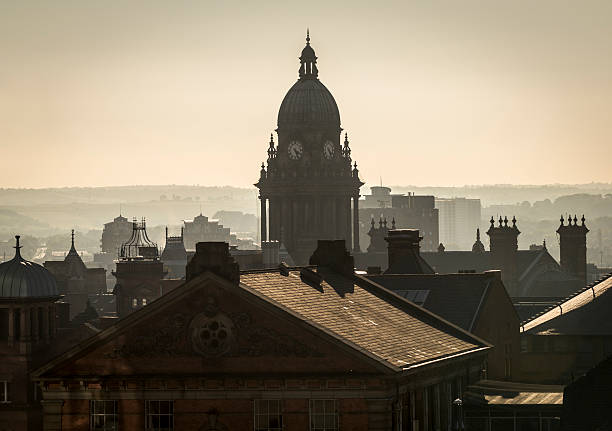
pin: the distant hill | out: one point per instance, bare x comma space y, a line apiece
504, 194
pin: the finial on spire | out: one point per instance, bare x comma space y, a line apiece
393, 223
17, 246
307, 36
477, 234
72, 238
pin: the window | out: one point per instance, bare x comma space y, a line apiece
134, 302
103, 415
4, 391
159, 415
323, 415
268, 415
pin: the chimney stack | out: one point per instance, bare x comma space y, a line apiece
572, 242
214, 257
504, 245
332, 253
403, 252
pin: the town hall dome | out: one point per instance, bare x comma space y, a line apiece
308, 101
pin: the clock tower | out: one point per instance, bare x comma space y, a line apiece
309, 189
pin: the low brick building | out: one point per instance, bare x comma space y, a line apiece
295, 348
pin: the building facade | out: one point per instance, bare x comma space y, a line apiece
408, 211
266, 350
308, 186
459, 218
202, 229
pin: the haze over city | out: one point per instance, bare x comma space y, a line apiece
187, 92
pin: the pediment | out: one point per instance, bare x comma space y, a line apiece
209, 325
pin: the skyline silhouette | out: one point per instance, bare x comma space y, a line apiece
477, 93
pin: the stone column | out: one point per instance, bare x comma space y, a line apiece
11, 326
52, 321
294, 222
347, 223
264, 230
45, 324
34, 321
356, 248
285, 224
333, 218
24, 330
317, 215
24, 324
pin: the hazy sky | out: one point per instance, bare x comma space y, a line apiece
187, 92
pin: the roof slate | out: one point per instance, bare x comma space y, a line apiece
365, 315
587, 313
454, 261
454, 297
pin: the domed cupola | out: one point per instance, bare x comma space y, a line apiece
308, 102
20, 278
478, 246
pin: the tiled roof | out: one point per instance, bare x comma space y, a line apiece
375, 321
454, 297
453, 261
587, 313
493, 393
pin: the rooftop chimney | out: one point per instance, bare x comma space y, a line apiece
214, 257
404, 252
332, 253
504, 244
572, 243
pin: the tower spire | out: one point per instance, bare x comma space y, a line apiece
307, 36
72, 240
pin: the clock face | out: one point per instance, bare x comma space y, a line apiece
295, 150
328, 149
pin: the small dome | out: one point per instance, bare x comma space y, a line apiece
308, 52
478, 246
20, 278
309, 102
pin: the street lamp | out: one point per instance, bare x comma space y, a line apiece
458, 405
